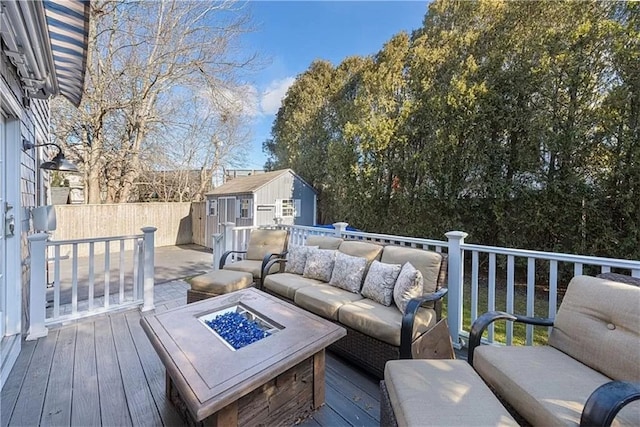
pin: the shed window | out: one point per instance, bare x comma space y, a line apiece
246, 208
288, 208
213, 207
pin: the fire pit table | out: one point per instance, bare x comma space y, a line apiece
275, 380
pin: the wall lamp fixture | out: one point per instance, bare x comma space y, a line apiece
58, 163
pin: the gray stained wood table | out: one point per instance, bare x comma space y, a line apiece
278, 380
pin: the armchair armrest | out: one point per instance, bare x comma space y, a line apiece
606, 401
223, 258
408, 319
482, 322
265, 261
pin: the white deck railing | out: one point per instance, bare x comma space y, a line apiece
118, 273
487, 264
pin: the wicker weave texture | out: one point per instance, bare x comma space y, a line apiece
387, 416
195, 296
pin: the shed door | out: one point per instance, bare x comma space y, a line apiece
226, 211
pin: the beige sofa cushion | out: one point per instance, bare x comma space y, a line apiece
324, 300
441, 393
286, 284
427, 262
382, 322
263, 242
546, 386
324, 242
250, 266
598, 323
367, 250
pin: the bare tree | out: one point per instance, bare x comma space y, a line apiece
147, 65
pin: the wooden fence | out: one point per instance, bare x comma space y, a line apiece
173, 220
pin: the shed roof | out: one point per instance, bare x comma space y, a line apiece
251, 183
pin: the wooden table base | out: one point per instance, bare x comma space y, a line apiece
284, 400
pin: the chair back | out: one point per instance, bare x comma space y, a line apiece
265, 241
598, 323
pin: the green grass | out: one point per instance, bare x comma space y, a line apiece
541, 309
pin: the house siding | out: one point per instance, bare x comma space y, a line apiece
34, 127
286, 186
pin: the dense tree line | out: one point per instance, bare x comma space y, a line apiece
518, 122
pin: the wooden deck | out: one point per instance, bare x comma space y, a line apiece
104, 371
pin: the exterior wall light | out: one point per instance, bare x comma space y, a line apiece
58, 163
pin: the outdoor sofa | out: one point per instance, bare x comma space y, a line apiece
350, 293
590, 368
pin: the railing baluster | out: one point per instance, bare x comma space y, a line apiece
136, 270
56, 282
107, 274
553, 290
74, 280
121, 295
474, 285
491, 292
510, 295
91, 275
577, 269
531, 295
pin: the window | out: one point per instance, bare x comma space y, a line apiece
288, 208
246, 208
213, 207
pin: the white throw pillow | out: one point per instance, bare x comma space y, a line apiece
297, 258
408, 285
380, 281
319, 264
348, 272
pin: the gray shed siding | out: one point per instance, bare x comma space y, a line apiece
213, 220
286, 186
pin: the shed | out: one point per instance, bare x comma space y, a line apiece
259, 199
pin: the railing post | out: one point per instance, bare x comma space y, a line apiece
340, 227
217, 243
228, 235
149, 268
454, 296
37, 286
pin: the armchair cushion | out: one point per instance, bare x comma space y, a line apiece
427, 262
320, 264
348, 272
408, 285
382, 322
598, 324
379, 283
522, 374
250, 266
263, 242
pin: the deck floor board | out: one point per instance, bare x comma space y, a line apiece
104, 371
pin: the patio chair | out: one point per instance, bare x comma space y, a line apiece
588, 374
264, 244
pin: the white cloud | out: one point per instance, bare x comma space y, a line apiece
271, 98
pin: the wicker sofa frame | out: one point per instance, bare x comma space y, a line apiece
368, 352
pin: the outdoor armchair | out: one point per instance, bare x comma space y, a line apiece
263, 245
590, 370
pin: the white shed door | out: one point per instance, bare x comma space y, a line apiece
3, 241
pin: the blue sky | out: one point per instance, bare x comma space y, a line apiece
291, 34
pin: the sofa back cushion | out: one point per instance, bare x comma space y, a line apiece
598, 323
324, 242
370, 251
427, 262
263, 242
